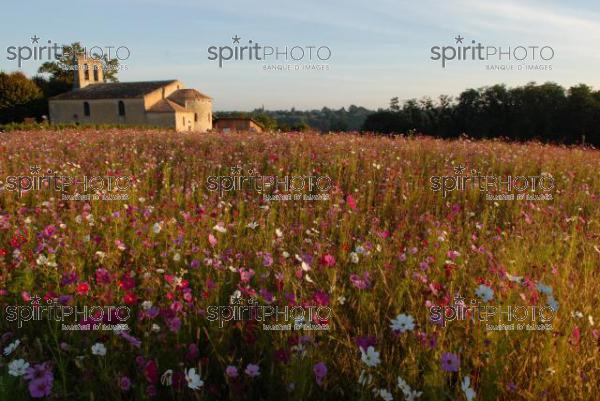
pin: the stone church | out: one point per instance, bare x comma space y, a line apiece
159, 103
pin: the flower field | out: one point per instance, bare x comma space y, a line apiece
368, 286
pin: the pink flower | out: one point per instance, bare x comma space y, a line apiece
328, 260
212, 240
124, 383
362, 283
351, 202
231, 372
252, 370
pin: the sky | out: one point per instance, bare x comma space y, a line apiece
378, 49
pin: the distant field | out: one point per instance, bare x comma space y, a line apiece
371, 249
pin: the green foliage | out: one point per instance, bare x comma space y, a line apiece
547, 112
19, 97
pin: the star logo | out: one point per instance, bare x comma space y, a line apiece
35, 300
459, 39
34, 169
236, 170
236, 39
35, 39
458, 299
458, 170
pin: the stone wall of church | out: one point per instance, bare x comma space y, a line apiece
102, 111
202, 109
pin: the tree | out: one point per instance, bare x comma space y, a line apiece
394, 104
20, 97
61, 70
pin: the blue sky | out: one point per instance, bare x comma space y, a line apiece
379, 49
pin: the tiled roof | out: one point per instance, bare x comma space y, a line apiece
167, 106
116, 90
181, 95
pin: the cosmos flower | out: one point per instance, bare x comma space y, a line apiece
18, 367
467, 389
193, 379
167, 377
252, 370
370, 357
484, 292
124, 383
384, 394
10, 348
156, 228
450, 362
407, 391
320, 371
231, 372
402, 323
99, 349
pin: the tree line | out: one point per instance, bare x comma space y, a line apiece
546, 112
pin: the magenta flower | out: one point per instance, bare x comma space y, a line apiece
328, 260
361, 282
40, 388
231, 372
41, 380
450, 362
124, 383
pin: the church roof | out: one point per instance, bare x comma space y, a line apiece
181, 95
167, 106
116, 90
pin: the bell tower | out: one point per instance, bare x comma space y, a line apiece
87, 71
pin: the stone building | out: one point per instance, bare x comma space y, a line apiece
159, 103
228, 124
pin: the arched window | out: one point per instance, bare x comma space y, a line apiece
121, 108
96, 74
86, 72
86, 109
195, 117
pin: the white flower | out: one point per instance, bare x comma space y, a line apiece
386, 395
543, 288
467, 389
18, 367
403, 323
305, 266
146, 305
252, 225
278, 233
409, 393
9, 349
177, 257
193, 379
484, 292
156, 228
371, 357
576, 314
354, 257
341, 300
99, 349
552, 303
220, 228
41, 260
155, 328
167, 378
